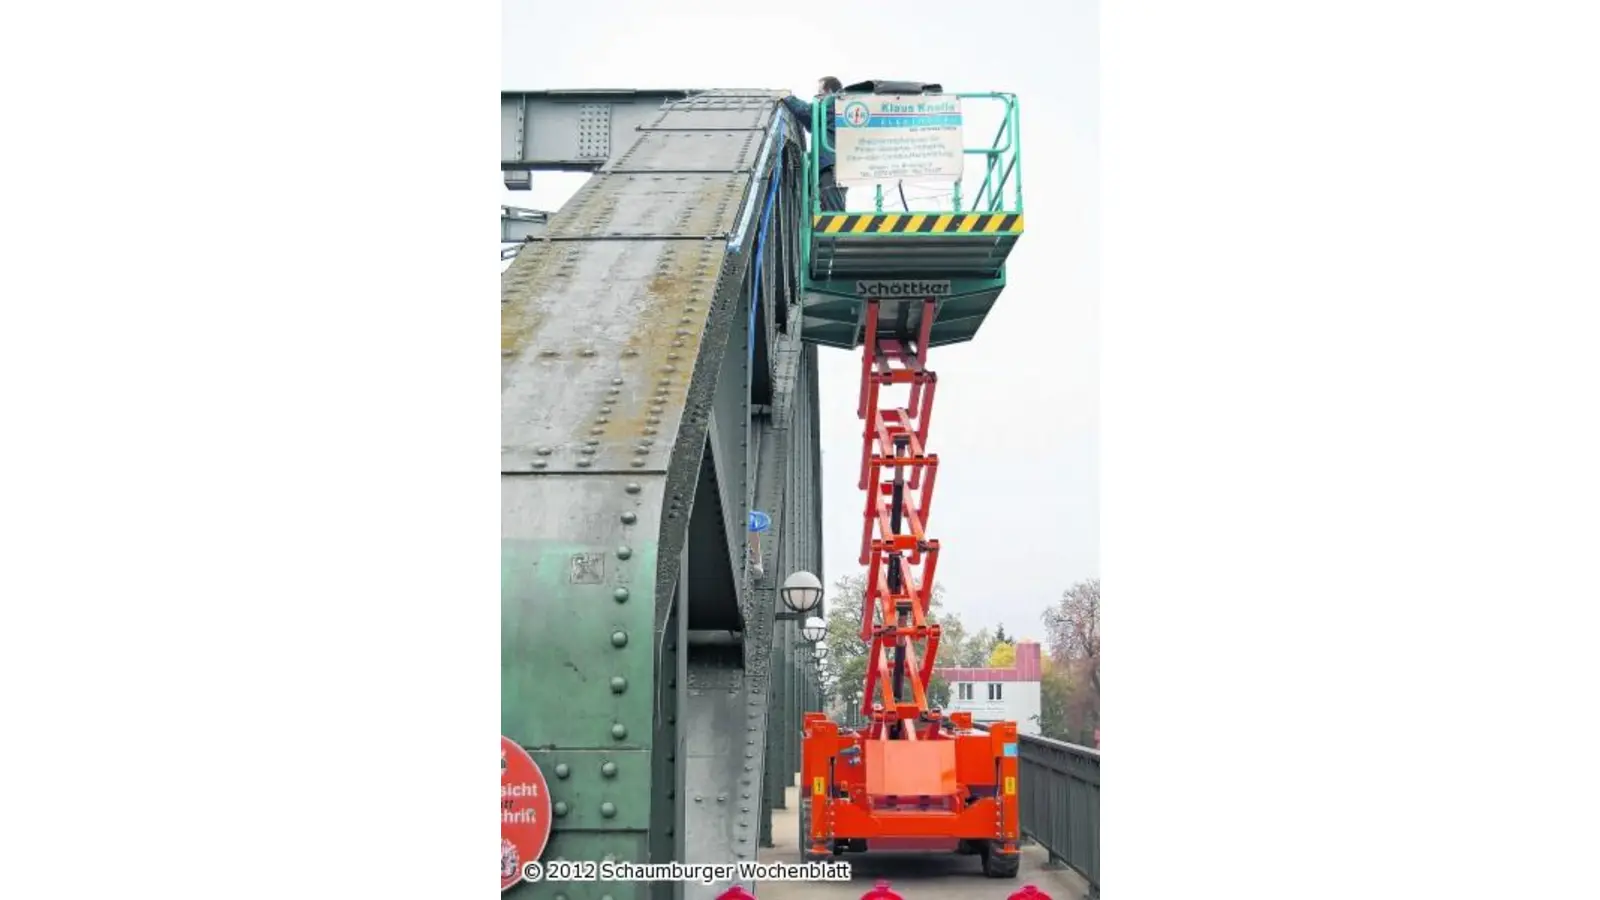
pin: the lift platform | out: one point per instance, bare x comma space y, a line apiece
956, 254
896, 283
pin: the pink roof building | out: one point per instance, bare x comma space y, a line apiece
999, 695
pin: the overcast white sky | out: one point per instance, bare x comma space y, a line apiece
1017, 420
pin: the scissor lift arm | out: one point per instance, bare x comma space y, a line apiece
914, 777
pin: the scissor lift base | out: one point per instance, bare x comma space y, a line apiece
954, 790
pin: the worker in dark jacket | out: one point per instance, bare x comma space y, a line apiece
827, 89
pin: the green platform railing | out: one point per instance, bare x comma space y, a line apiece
1002, 160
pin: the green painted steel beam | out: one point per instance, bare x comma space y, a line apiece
612, 354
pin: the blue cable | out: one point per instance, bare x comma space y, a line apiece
761, 241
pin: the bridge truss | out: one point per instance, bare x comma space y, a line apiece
655, 391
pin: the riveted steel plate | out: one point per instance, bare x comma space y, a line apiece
688, 205
561, 129
578, 572
726, 99
747, 113
594, 131
708, 119
602, 390
593, 779
723, 677
613, 335
722, 778
683, 151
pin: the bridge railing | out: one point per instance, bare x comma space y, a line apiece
1059, 787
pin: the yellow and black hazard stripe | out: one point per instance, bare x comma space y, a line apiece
917, 223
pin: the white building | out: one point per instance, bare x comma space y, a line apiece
999, 695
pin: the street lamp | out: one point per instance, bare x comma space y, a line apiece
813, 629
821, 652
801, 591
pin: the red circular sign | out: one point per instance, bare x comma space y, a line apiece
524, 811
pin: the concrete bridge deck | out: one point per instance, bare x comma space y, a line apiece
916, 876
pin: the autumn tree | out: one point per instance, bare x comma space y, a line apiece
1003, 653
1073, 627
1073, 631
1003, 656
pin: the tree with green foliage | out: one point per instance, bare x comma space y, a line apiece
974, 652
1055, 702
953, 637
846, 664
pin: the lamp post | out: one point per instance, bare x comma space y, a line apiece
801, 592
813, 629
802, 602
811, 634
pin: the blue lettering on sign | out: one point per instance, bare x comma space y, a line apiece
905, 120
759, 521
1011, 749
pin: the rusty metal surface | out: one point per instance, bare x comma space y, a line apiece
672, 205
615, 334
599, 340
698, 151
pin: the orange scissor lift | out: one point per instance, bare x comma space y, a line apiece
914, 777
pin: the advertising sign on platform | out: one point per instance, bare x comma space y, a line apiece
883, 139
524, 811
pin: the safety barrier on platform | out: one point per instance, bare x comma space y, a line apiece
1059, 784
882, 891
1001, 188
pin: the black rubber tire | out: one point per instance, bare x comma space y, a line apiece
1000, 865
